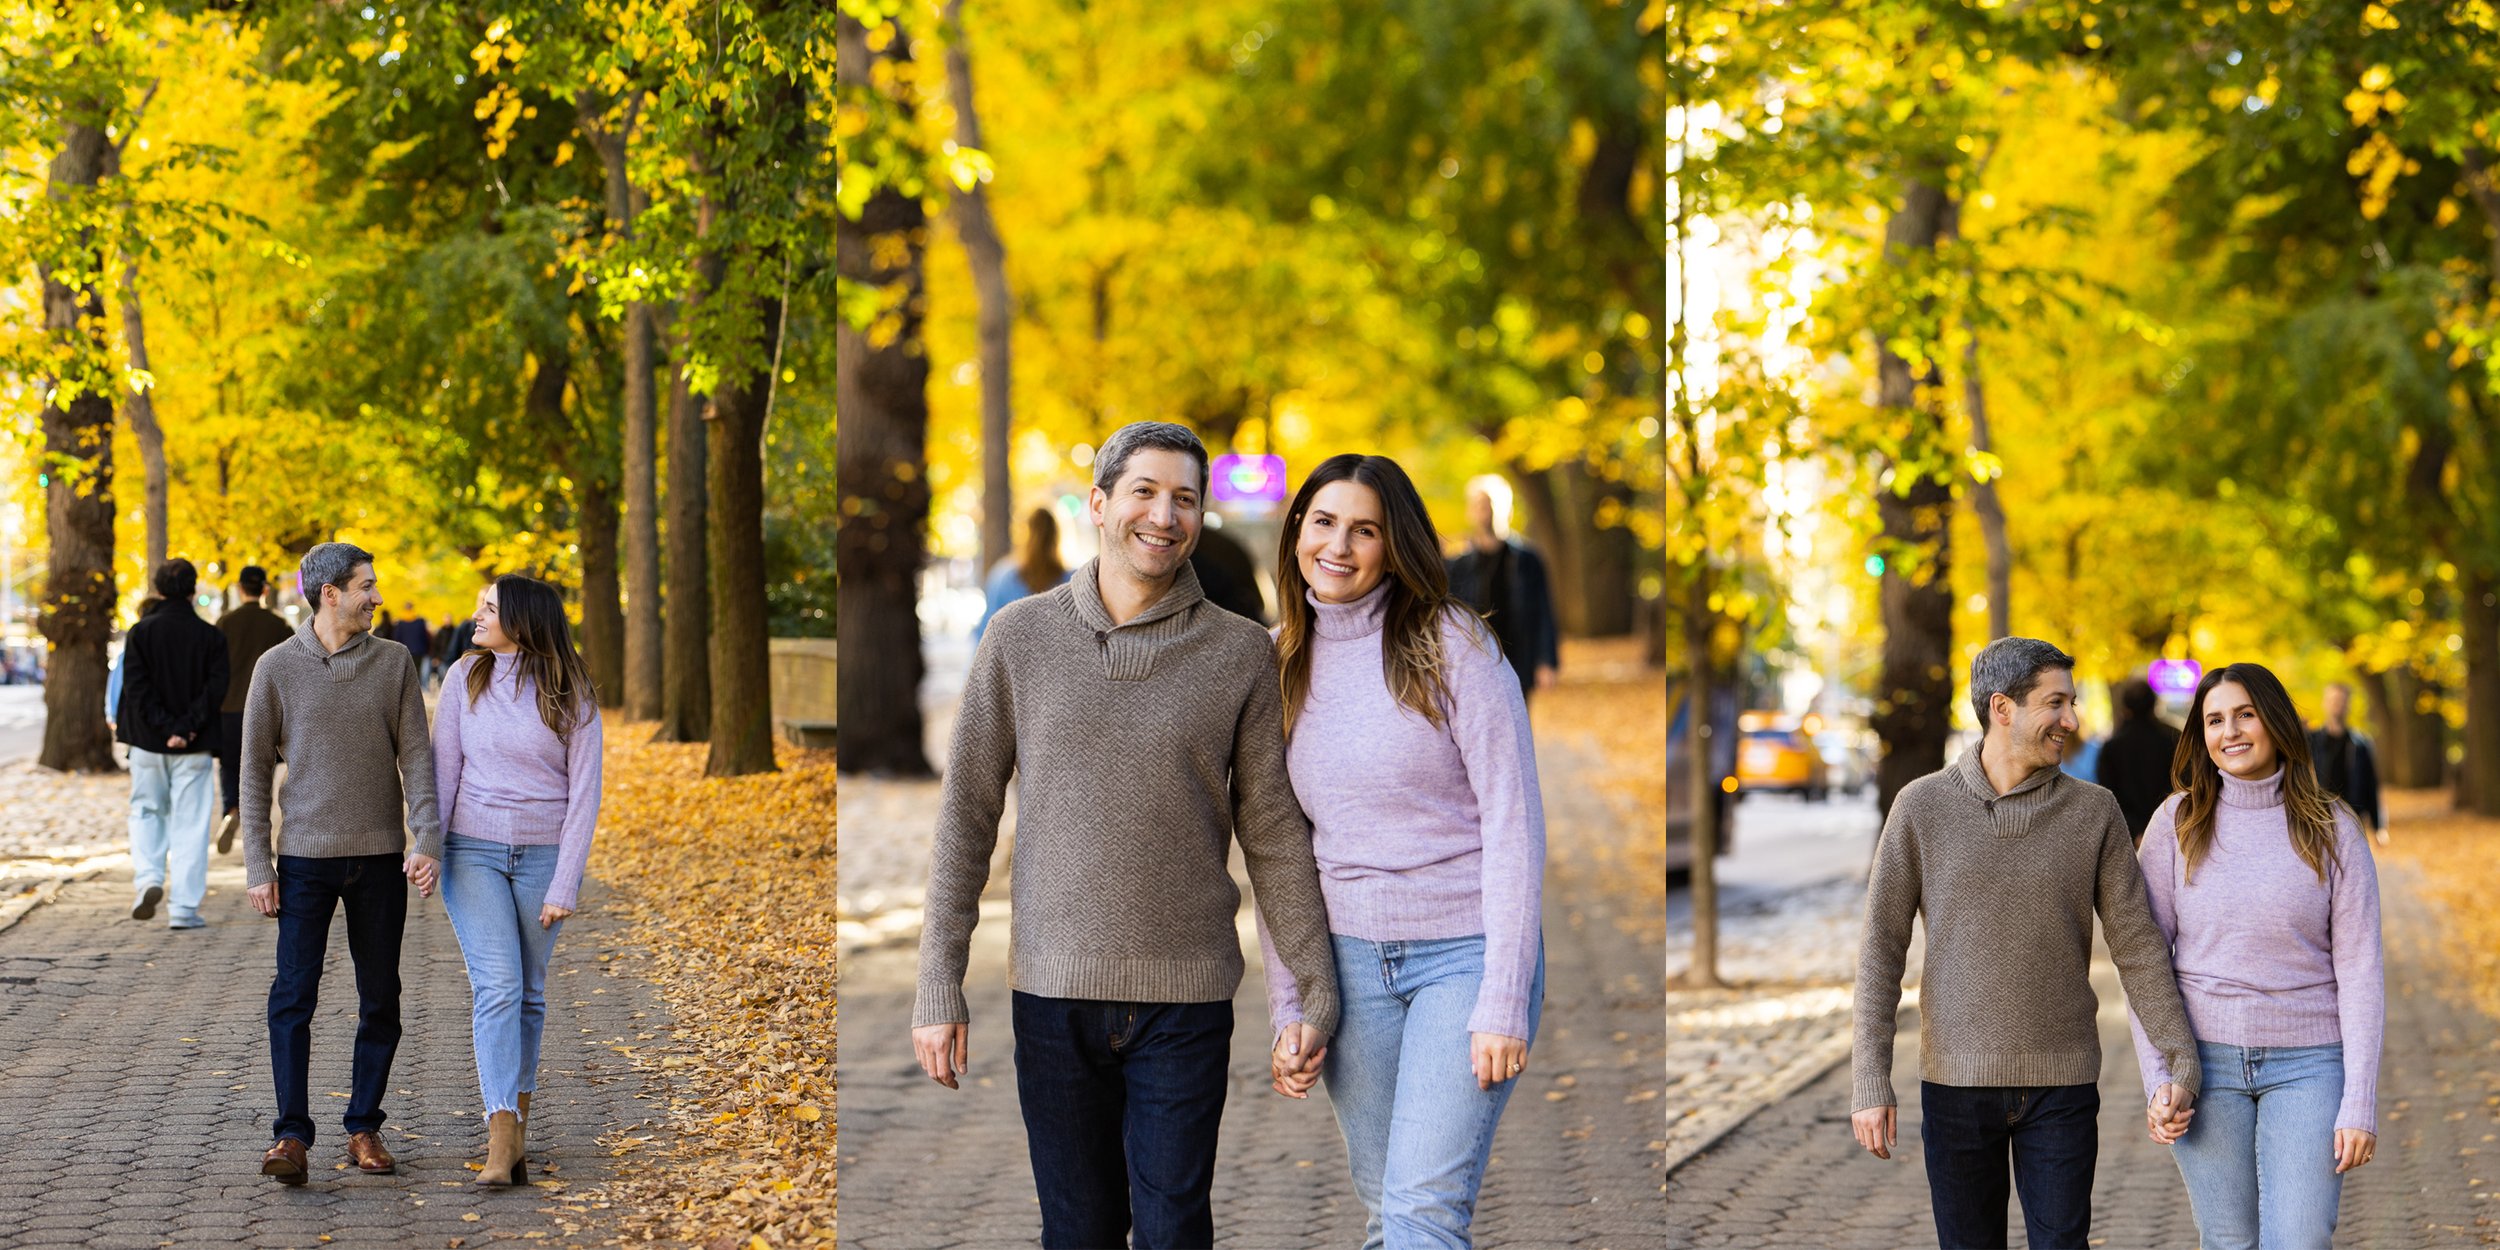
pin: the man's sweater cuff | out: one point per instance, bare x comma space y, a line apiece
939, 1004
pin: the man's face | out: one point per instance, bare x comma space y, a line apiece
2337, 702
352, 608
1150, 517
2035, 730
1479, 510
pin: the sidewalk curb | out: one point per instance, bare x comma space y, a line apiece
1792, 1077
34, 896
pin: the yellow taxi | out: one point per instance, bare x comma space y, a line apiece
1775, 754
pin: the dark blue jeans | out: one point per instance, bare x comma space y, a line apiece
375, 895
1121, 1103
2053, 1132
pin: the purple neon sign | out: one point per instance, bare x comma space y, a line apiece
1248, 479
2174, 679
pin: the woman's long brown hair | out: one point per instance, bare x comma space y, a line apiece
2307, 808
1418, 594
532, 616
1037, 560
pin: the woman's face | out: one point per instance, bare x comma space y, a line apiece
2235, 735
490, 633
1343, 549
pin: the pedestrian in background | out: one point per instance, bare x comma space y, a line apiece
251, 629
2261, 881
1035, 567
173, 681
113, 680
2346, 765
2136, 762
516, 765
1504, 580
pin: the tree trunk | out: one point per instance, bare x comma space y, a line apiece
1984, 501
686, 702
979, 231
603, 616
1913, 712
2478, 782
79, 591
881, 390
2421, 759
742, 703
644, 663
1602, 554
1700, 686
142, 408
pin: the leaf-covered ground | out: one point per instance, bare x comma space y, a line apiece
1618, 705
2457, 857
731, 882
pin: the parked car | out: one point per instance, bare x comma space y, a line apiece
1774, 755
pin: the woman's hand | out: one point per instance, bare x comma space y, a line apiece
1496, 1058
2167, 1116
1293, 1063
2353, 1148
549, 914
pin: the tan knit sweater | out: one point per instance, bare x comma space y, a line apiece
1139, 752
2009, 885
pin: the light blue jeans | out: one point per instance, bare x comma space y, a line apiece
2259, 1158
173, 804
1417, 1130
493, 893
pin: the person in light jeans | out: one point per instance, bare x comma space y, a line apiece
2262, 880
516, 756
173, 681
1407, 740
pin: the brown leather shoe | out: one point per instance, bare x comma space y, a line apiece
366, 1152
285, 1161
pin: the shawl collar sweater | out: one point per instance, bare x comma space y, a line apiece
350, 727
503, 776
2009, 885
1139, 750
1422, 831
2268, 955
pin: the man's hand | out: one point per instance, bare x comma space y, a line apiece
1546, 677
1496, 1058
264, 898
423, 871
177, 742
944, 1051
1293, 1064
1878, 1129
2167, 1116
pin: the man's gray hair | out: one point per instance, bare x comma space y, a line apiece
329, 564
2011, 667
1136, 436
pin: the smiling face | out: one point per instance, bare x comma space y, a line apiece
2236, 735
2035, 730
351, 607
490, 632
1150, 517
1343, 548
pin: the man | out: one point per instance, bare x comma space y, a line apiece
2009, 859
250, 630
173, 678
411, 632
2346, 766
2135, 762
1503, 579
1145, 730
342, 708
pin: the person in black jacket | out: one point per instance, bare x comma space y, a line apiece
2346, 766
2135, 762
1503, 579
173, 682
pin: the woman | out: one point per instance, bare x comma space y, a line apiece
1034, 569
1407, 740
2264, 884
516, 767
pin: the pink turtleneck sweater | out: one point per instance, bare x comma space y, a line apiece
2266, 954
1422, 832
503, 776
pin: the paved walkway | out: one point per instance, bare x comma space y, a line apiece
1575, 1162
135, 1086
1792, 1175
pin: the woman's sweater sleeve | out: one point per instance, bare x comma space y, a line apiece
447, 758
1489, 723
582, 763
2159, 857
2360, 973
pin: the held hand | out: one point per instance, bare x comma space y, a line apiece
1496, 1058
1878, 1129
2167, 1116
944, 1051
549, 914
2353, 1148
264, 898
1293, 1064
422, 872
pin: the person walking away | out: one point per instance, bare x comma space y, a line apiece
411, 632
251, 629
2261, 880
516, 766
1145, 734
1504, 580
2346, 765
2010, 861
148, 604
2135, 762
1035, 567
1408, 743
342, 708
173, 679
